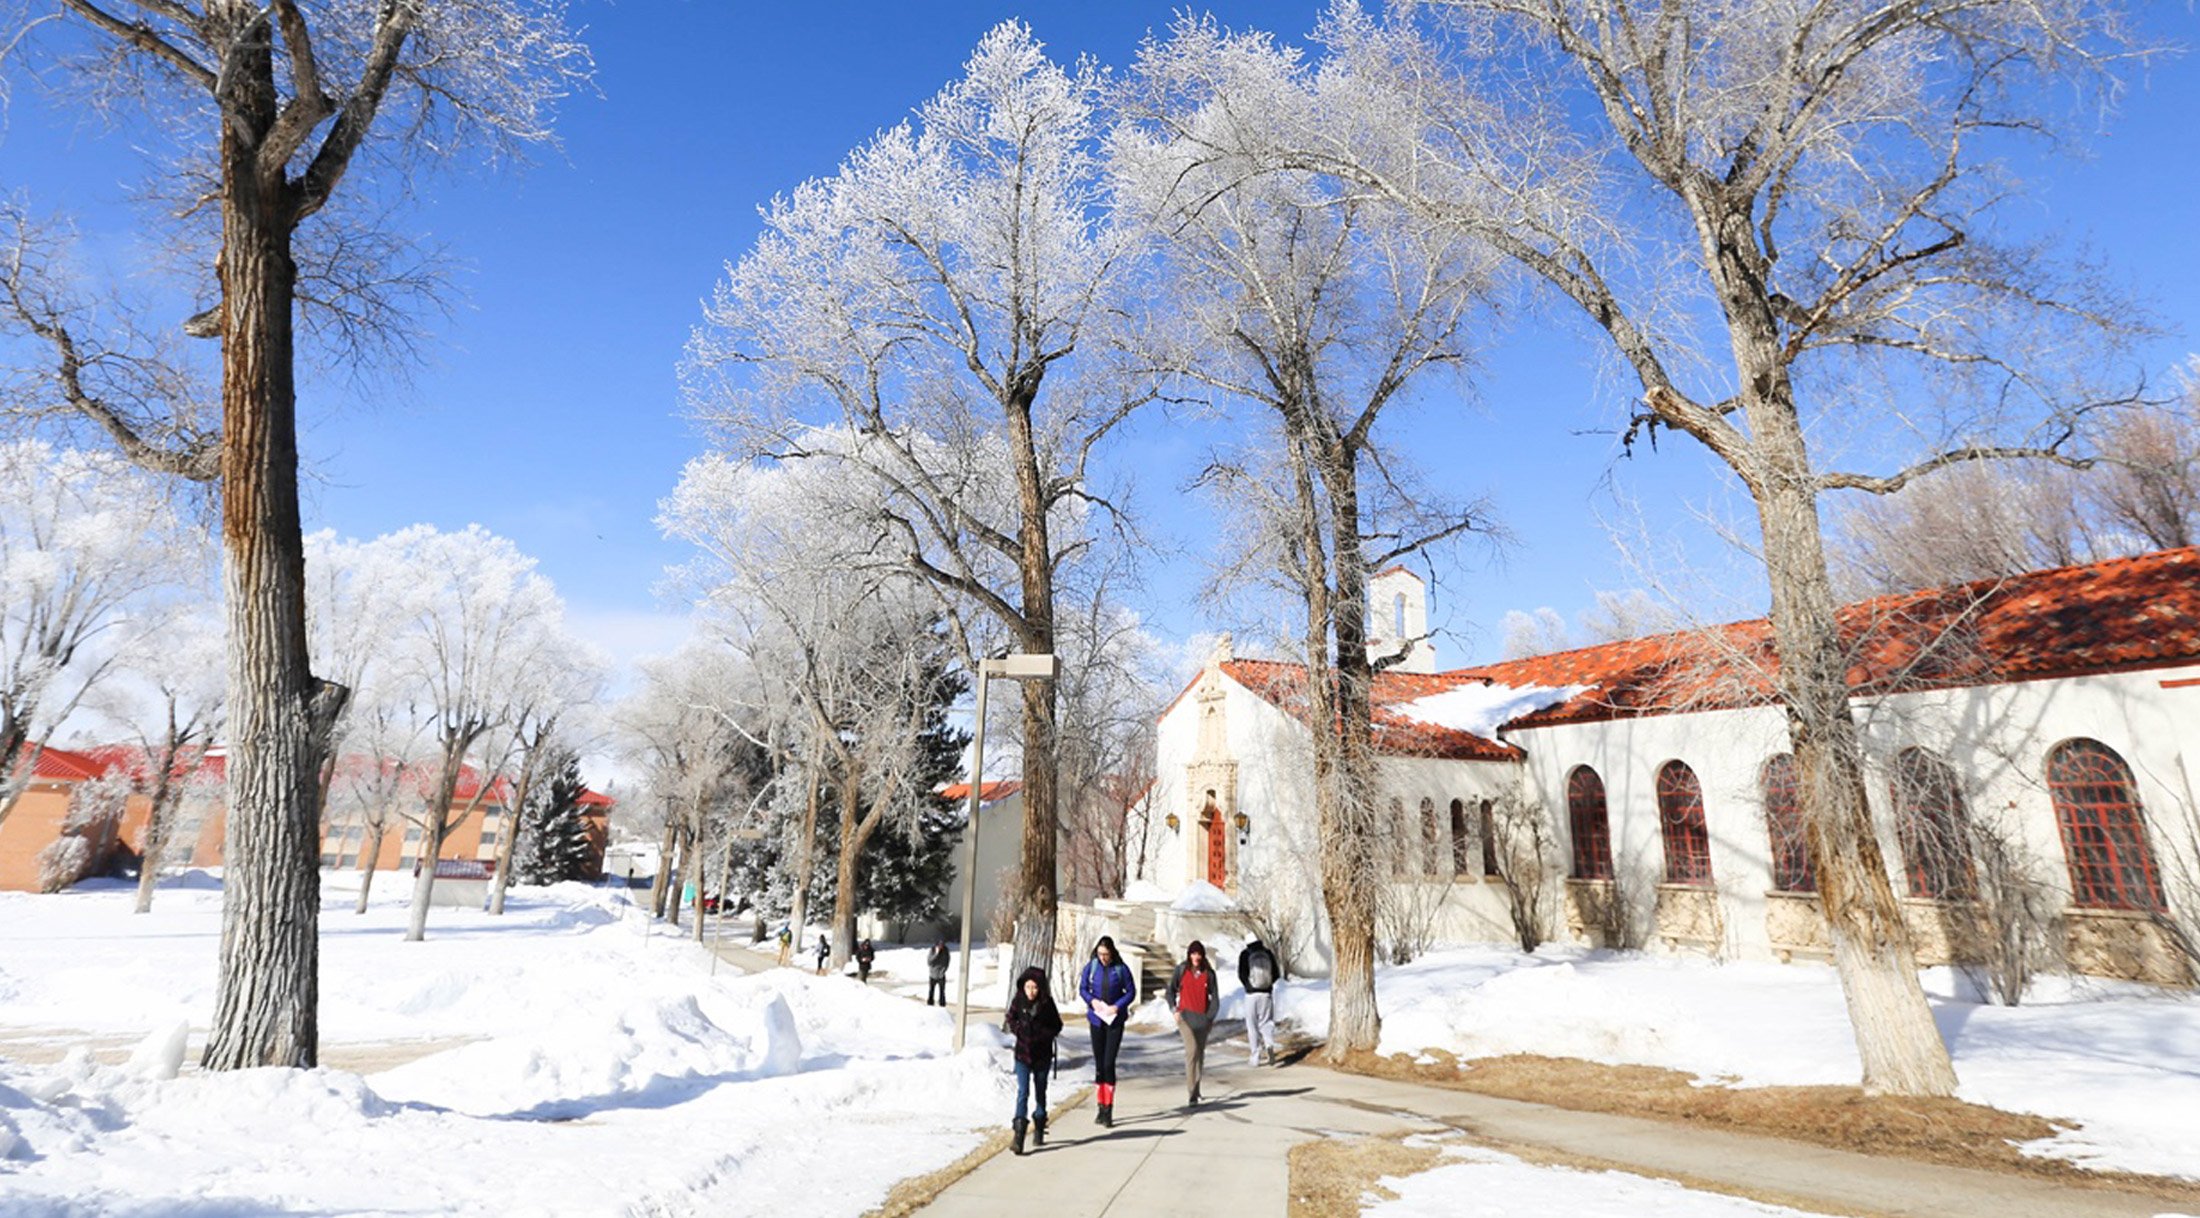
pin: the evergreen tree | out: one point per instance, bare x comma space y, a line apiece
553, 845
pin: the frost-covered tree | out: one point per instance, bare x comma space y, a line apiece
483, 634
946, 298
683, 728
268, 108
857, 646
553, 844
555, 693
1790, 223
1319, 307
171, 704
92, 556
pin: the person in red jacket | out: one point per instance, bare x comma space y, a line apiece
1195, 994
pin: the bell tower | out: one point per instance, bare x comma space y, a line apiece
1397, 610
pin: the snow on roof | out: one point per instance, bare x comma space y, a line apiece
1199, 896
1480, 708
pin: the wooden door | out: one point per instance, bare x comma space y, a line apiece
1218, 871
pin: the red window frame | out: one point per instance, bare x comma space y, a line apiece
2103, 829
1934, 826
1793, 869
1589, 823
1681, 826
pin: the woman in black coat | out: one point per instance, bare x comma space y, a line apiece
1034, 1022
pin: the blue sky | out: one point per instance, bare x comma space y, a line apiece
547, 408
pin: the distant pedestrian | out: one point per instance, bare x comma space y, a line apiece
1195, 996
935, 968
824, 950
786, 945
865, 953
1034, 1021
1107, 989
1257, 973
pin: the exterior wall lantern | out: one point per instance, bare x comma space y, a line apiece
1244, 828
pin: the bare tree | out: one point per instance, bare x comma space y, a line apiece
483, 631
563, 681
283, 98
91, 555
1826, 268
942, 298
1527, 864
1318, 307
175, 716
2148, 483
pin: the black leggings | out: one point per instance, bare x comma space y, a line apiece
1107, 1038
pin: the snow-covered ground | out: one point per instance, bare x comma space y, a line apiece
592, 1069
2121, 1061
1477, 1183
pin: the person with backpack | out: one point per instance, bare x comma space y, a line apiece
1107, 989
824, 950
865, 953
786, 945
935, 967
1034, 1021
1195, 994
1257, 973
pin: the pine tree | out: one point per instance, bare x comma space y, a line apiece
553, 845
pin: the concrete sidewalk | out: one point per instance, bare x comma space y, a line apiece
1161, 1160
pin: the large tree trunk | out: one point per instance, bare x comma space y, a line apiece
1896, 1038
515, 818
159, 820
854, 835
279, 716
799, 908
436, 826
1035, 897
373, 860
662, 883
1350, 833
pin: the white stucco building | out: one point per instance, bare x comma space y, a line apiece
2057, 713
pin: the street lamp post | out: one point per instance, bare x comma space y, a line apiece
1018, 667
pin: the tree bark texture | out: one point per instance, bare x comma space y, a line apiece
663, 881
366, 875
1351, 836
799, 909
264, 1010
1037, 879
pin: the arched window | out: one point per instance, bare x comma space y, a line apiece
1462, 841
1934, 826
1791, 864
2102, 831
1489, 839
1432, 851
1589, 824
1681, 825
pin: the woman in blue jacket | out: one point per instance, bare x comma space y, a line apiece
1108, 989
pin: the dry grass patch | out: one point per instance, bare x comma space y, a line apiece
1935, 1131
1330, 1176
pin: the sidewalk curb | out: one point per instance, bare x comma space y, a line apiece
916, 1192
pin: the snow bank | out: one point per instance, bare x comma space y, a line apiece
1479, 1183
2112, 1058
1146, 890
1199, 896
1482, 709
618, 1076
653, 1052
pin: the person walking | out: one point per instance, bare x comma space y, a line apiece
824, 950
1034, 1021
1195, 997
935, 968
865, 953
1257, 973
786, 945
1107, 989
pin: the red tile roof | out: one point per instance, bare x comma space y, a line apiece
2121, 615
66, 765
2116, 616
1284, 686
992, 792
